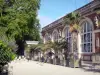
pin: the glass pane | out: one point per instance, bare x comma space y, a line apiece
89, 27
85, 48
91, 37
88, 47
88, 37
84, 27
84, 37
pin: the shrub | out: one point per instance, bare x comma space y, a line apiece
6, 54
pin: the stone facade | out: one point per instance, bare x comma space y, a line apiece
88, 40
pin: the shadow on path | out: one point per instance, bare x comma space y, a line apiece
90, 68
4, 73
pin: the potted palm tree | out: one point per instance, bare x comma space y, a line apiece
73, 20
64, 45
57, 48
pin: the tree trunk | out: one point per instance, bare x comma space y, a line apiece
21, 47
66, 59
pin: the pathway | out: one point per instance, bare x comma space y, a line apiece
24, 67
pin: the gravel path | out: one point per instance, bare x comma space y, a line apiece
24, 67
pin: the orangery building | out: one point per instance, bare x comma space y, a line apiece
88, 38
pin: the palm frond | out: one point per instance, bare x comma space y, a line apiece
72, 18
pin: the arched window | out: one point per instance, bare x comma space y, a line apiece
86, 37
67, 34
68, 37
47, 38
55, 36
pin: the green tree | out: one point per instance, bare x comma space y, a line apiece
20, 19
6, 54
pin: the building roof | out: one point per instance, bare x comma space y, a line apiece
82, 10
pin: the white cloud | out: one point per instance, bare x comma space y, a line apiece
44, 20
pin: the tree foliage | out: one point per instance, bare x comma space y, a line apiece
57, 46
24, 23
6, 54
72, 18
19, 17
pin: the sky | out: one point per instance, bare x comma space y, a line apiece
51, 10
